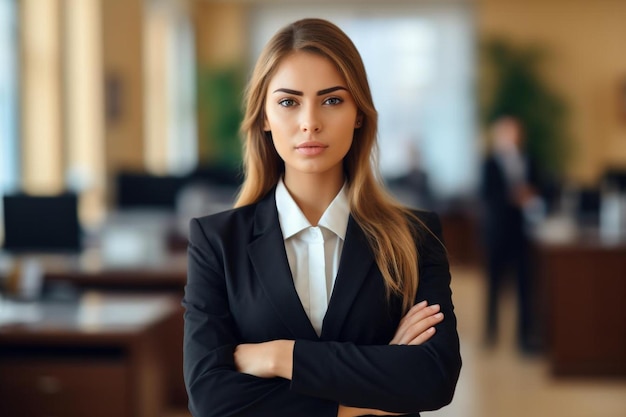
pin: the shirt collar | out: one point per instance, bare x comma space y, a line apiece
292, 220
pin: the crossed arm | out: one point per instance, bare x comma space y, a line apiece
226, 378
275, 358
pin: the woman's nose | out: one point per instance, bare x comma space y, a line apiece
310, 121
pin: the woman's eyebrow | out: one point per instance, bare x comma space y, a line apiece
330, 90
289, 91
319, 93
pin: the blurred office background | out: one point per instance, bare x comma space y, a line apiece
119, 122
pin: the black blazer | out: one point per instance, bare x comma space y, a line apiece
240, 290
503, 221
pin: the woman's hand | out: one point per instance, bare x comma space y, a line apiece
417, 326
265, 360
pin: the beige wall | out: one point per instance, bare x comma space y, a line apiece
221, 32
587, 65
122, 30
41, 97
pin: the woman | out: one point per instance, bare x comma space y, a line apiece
304, 299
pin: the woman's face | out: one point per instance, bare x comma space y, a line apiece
311, 115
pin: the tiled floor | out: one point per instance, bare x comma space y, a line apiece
499, 382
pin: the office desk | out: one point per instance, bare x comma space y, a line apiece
89, 271
98, 357
584, 302
168, 276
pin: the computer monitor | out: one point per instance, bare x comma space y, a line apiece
615, 178
146, 191
40, 224
588, 208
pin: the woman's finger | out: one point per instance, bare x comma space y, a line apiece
403, 325
423, 337
411, 319
418, 327
415, 322
413, 311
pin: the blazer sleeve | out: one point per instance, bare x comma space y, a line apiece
214, 386
405, 379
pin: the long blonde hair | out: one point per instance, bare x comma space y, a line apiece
387, 225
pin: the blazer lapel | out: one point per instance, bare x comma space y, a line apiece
269, 259
356, 261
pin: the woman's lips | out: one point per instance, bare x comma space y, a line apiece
311, 148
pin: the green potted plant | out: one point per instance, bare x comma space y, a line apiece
220, 94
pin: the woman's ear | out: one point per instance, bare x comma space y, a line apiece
359, 121
266, 125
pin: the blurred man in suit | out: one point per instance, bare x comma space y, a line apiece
509, 190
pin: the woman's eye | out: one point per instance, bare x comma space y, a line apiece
333, 101
287, 102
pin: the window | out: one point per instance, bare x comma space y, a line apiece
8, 96
8, 101
170, 118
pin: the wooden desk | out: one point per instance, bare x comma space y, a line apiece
584, 302
98, 357
88, 272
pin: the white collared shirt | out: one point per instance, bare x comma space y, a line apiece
313, 252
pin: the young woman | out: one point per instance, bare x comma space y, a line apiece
318, 295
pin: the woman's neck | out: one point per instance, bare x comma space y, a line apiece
313, 193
